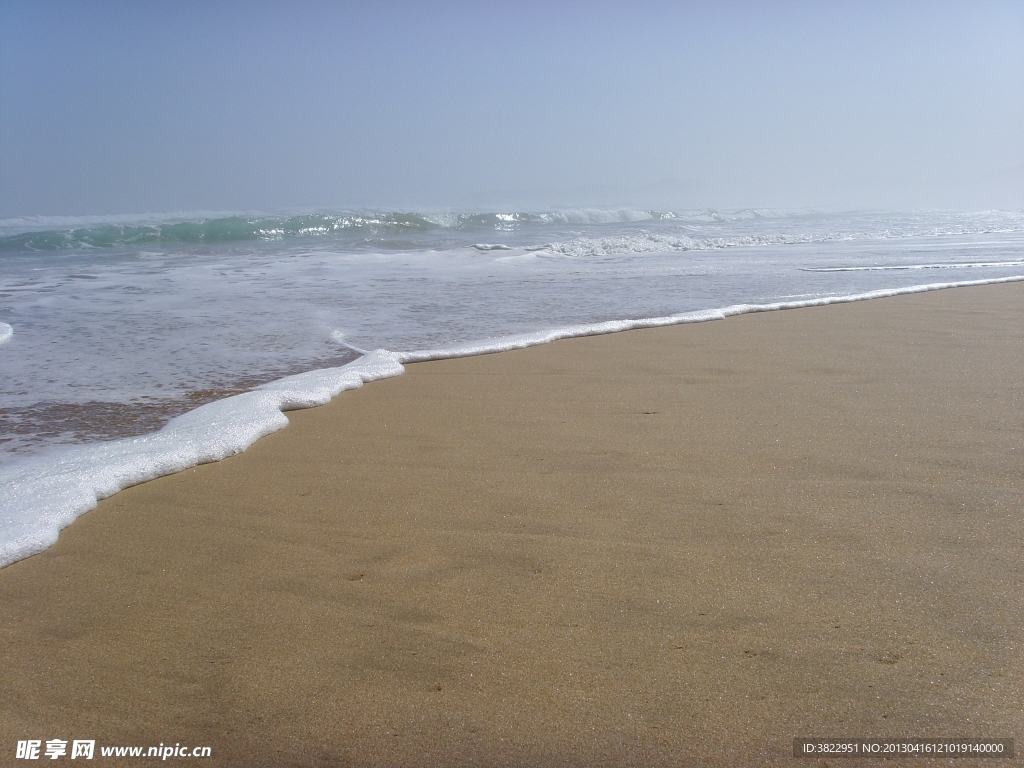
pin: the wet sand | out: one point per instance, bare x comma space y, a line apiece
665, 547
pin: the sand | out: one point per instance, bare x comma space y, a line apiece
665, 547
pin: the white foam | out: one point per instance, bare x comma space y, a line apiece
899, 267
522, 341
42, 495
339, 337
6, 332
582, 247
597, 216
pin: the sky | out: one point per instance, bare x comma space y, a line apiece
128, 107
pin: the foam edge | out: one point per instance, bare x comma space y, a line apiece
59, 488
40, 496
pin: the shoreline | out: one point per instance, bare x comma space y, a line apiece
60, 485
678, 545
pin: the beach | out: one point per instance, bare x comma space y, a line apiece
673, 546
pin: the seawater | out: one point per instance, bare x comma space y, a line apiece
135, 346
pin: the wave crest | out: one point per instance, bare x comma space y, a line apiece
402, 228
69, 233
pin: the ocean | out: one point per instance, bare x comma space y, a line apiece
136, 346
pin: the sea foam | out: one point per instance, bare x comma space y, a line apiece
6, 332
42, 495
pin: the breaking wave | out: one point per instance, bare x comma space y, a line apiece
41, 233
68, 233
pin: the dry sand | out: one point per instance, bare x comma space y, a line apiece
666, 547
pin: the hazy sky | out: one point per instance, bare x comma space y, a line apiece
117, 107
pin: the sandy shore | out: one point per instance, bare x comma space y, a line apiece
665, 547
